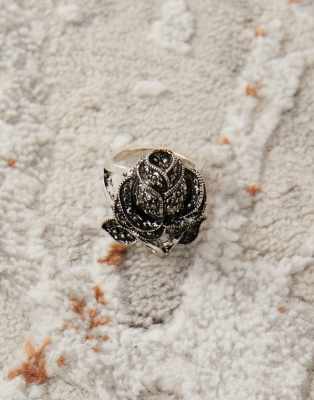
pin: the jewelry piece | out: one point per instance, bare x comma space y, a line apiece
161, 201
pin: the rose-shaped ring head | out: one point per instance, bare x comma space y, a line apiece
160, 202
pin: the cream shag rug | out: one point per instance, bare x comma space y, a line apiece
228, 83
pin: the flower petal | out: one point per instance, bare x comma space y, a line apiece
175, 202
161, 159
151, 236
195, 196
175, 173
119, 233
149, 201
128, 213
152, 176
191, 234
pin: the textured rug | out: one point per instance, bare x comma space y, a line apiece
229, 84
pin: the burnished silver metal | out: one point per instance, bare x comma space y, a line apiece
161, 200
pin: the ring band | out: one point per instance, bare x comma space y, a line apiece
161, 200
143, 151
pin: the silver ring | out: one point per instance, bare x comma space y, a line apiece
161, 201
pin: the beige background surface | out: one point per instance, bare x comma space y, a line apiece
230, 317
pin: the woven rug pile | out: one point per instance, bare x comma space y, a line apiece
229, 84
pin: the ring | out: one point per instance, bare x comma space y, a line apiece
161, 201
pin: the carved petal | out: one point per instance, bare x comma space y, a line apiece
127, 211
151, 236
152, 176
162, 159
149, 201
191, 233
195, 195
175, 173
119, 233
175, 202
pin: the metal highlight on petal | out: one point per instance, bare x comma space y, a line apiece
119, 233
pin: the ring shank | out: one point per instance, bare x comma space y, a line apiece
142, 151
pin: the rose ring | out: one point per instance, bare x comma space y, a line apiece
161, 201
